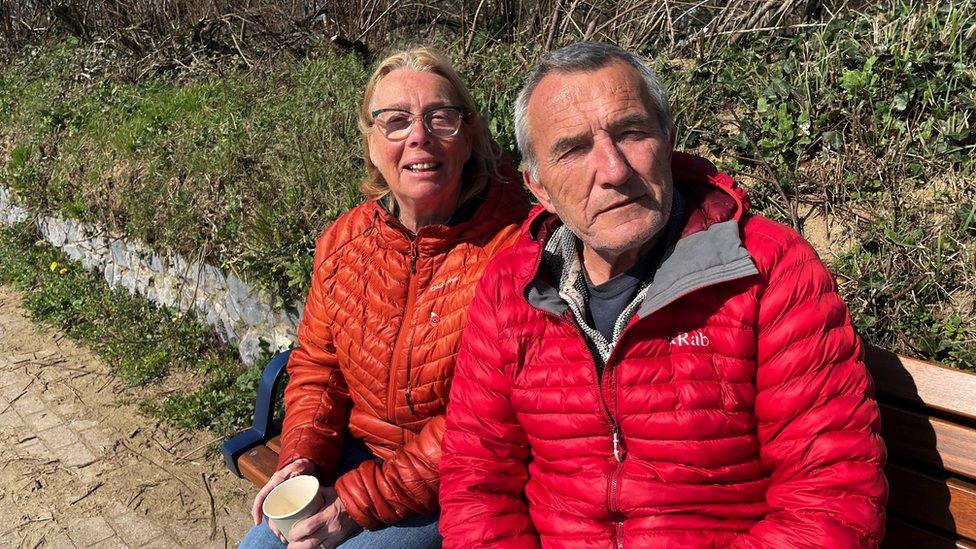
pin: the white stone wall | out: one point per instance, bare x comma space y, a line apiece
241, 315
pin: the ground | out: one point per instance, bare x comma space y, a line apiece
80, 467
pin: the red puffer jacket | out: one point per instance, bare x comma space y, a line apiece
381, 328
734, 409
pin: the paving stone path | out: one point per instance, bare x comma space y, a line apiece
81, 467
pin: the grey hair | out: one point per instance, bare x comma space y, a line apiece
584, 57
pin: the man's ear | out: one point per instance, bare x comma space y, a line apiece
540, 192
674, 137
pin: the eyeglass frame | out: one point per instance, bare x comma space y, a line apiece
460, 109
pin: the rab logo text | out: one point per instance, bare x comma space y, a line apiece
693, 339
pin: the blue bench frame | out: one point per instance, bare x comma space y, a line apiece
264, 425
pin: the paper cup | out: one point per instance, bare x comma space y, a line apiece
291, 501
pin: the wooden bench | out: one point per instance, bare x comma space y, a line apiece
928, 415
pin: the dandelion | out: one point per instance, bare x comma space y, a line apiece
63, 270
54, 266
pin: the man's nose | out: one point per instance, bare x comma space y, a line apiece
612, 168
418, 135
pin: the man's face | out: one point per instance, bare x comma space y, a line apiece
604, 163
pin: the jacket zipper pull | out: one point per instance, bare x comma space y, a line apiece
413, 257
619, 453
409, 400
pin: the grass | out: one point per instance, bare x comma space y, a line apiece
142, 344
862, 126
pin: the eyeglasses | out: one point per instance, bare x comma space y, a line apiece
440, 121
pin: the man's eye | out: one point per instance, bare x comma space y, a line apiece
572, 152
634, 134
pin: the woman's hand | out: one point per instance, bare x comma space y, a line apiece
327, 528
301, 466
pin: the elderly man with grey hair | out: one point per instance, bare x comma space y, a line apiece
651, 364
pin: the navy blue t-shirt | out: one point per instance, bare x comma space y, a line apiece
606, 301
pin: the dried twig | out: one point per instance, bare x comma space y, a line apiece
474, 27
26, 522
197, 449
213, 512
86, 494
22, 393
143, 456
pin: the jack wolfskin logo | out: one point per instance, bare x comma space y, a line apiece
693, 339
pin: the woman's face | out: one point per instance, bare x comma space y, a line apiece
422, 170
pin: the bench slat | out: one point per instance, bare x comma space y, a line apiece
901, 535
913, 380
945, 504
929, 440
258, 464
275, 444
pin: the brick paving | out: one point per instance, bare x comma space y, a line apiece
81, 467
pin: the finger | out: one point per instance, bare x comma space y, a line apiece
314, 527
256, 512
305, 544
275, 531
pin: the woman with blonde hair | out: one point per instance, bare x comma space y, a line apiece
391, 283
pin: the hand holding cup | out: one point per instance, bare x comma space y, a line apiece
291, 501
301, 466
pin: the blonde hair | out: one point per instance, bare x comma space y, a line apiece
484, 151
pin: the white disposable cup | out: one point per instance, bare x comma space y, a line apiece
291, 501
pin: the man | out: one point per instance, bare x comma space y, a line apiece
651, 365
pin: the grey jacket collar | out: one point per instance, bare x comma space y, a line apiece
711, 256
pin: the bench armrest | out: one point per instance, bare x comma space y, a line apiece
263, 426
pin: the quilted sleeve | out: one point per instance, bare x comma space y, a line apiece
484, 466
316, 398
380, 493
818, 424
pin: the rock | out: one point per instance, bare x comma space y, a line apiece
109, 274
254, 313
55, 231
73, 252
117, 249
156, 263
239, 314
77, 232
127, 279
211, 279
91, 262
237, 287
249, 348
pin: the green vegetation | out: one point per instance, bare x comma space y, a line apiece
857, 131
141, 343
244, 167
869, 122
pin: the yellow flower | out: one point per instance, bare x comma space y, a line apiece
54, 266
63, 270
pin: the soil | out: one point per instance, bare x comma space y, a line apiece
80, 466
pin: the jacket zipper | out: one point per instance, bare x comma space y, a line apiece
402, 347
619, 454
619, 450
616, 439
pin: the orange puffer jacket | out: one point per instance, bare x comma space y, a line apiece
379, 333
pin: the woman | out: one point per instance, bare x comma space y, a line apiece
391, 283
